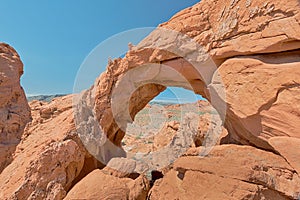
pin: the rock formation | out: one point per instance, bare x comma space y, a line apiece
241, 55
229, 172
156, 126
48, 158
98, 185
14, 109
247, 53
246, 41
250, 40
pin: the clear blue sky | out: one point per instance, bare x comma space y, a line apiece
54, 37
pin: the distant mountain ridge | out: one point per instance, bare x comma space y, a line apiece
46, 98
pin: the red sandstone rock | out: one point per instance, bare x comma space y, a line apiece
255, 47
253, 44
14, 109
289, 148
98, 185
259, 107
48, 159
229, 172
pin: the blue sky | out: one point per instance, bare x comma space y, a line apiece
54, 37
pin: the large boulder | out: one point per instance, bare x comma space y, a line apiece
99, 185
228, 172
14, 109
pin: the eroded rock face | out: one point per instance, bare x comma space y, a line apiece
247, 52
228, 172
263, 94
14, 109
49, 157
240, 27
261, 90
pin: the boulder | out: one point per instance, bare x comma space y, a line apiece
228, 172
98, 185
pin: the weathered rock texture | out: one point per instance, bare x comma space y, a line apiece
240, 27
156, 126
229, 172
50, 156
14, 109
270, 106
244, 38
253, 44
247, 52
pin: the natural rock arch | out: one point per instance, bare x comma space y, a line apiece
130, 85
224, 33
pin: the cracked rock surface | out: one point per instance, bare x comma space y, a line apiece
228, 172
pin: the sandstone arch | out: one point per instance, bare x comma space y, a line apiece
241, 50
255, 46
185, 64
